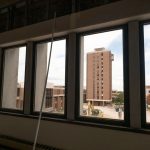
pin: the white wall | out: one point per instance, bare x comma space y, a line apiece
40, 74
9, 93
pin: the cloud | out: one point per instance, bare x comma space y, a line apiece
21, 65
57, 64
100, 40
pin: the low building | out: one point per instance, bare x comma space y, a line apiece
54, 99
20, 96
147, 95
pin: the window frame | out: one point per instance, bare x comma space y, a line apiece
144, 123
109, 121
49, 115
4, 49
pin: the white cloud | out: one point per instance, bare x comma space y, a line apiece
100, 40
21, 65
117, 74
57, 64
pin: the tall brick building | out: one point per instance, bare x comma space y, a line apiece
99, 76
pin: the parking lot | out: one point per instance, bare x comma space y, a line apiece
107, 111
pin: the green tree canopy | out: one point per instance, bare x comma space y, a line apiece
119, 99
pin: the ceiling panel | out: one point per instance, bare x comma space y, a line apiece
6, 2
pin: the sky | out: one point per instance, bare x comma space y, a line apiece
111, 40
21, 65
57, 65
147, 53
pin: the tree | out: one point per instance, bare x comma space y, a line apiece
148, 99
119, 99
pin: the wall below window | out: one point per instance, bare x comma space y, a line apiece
71, 136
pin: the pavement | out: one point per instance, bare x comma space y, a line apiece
148, 116
108, 112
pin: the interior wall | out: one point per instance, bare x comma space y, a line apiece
73, 136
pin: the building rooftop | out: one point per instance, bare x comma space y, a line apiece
100, 49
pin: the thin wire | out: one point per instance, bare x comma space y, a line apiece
42, 103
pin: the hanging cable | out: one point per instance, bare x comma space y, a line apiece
42, 103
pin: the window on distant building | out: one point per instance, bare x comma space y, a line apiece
103, 44
13, 78
54, 102
18, 91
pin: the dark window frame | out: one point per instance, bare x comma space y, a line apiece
126, 121
144, 123
11, 110
49, 115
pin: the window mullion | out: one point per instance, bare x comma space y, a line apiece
0, 75
71, 76
134, 75
28, 78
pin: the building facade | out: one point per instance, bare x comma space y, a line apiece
54, 98
20, 96
147, 94
99, 76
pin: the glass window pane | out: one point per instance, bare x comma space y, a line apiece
55, 89
147, 69
101, 82
13, 78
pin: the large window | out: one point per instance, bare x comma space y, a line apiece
102, 75
13, 78
147, 70
54, 102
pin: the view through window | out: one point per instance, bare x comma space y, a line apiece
101, 79
147, 70
55, 88
13, 78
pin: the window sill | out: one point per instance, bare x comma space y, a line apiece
145, 130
